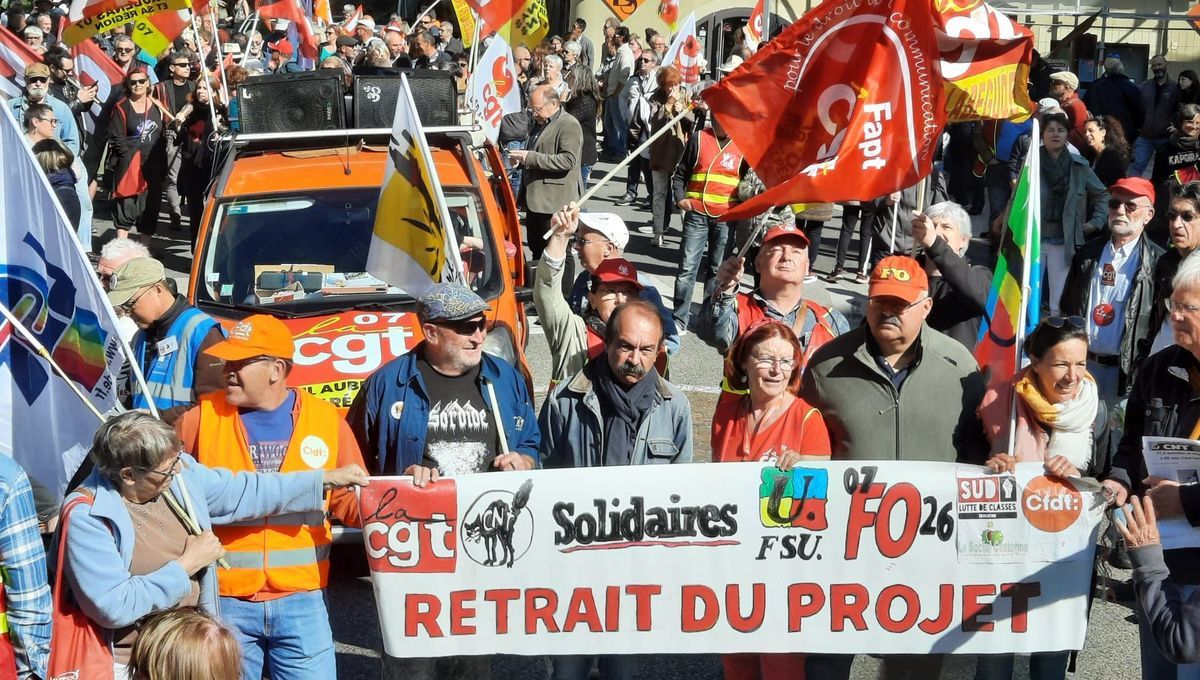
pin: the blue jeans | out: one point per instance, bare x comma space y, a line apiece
612, 667
1143, 149
1154, 664
289, 637
513, 170
616, 128
700, 232
585, 173
1042, 666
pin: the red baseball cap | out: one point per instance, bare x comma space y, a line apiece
255, 336
899, 277
1136, 186
785, 229
616, 270
283, 46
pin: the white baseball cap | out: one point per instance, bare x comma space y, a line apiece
609, 224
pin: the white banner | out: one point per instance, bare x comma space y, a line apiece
1176, 460
735, 557
48, 284
494, 89
686, 52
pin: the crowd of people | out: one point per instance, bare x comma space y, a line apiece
161, 500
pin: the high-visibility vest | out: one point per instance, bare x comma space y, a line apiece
715, 176
8, 661
290, 552
171, 376
750, 312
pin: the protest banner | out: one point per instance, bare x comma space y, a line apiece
1177, 460
494, 92
828, 557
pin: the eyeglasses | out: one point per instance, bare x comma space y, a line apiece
142, 81
129, 304
645, 61
36, 79
1176, 307
183, 64
772, 362
171, 472
893, 308
1187, 216
579, 242
52, 121
1060, 321
468, 327
1130, 206
235, 365
611, 294
124, 50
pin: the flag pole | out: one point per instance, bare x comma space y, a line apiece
1032, 211
41, 350
632, 155
212, 16
895, 216
212, 109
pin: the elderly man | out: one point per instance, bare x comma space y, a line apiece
640, 86
1111, 285
347, 48
1160, 100
1115, 94
781, 264
1064, 86
115, 253
428, 56
170, 343
35, 38
397, 44
895, 389
364, 30
37, 91
1183, 223
1162, 403
446, 40
549, 165
273, 594
958, 288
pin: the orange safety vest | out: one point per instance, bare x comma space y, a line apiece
751, 312
290, 552
716, 174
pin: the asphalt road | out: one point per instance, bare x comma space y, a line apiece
1111, 650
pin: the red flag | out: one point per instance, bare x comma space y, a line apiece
755, 25
351, 22
288, 9
496, 13
845, 105
94, 66
985, 62
15, 55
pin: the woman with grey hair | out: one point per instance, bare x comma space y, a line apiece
958, 288
140, 534
570, 54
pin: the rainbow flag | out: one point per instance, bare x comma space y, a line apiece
1016, 293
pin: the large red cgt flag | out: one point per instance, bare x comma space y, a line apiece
290, 10
985, 62
846, 104
496, 13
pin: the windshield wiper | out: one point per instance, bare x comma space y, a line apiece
251, 309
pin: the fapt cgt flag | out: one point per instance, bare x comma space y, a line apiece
494, 89
846, 104
48, 284
413, 245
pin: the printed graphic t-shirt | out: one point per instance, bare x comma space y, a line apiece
269, 433
462, 433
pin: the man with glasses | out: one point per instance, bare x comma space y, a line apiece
37, 91
549, 163
172, 337
1183, 225
895, 389
273, 593
35, 37
1111, 284
125, 53
638, 89
176, 94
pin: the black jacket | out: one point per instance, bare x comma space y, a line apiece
1138, 334
959, 294
1164, 276
1162, 403
1114, 94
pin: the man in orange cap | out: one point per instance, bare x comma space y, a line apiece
272, 593
1111, 286
895, 389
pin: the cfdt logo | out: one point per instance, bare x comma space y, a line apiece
410, 529
794, 498
498, 530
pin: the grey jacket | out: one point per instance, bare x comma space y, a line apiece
1085, 214
931, 417
1174, 618
573, 427
551, 173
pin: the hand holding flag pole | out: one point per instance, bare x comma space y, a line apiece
632, 155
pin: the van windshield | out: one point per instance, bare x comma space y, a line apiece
307, 253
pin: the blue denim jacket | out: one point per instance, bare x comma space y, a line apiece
574, 432
100, 538
390, 415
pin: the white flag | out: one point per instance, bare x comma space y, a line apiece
413, 245
48, 284
494, 87
685, 52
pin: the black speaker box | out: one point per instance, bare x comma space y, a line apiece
292, 102
434, 92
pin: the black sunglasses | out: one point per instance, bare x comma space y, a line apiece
469, 327
1130, 206
1060, 321
37, 79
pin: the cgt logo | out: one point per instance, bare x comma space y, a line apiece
795, 498
409, 529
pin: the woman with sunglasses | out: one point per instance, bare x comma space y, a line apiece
138, 531
137, 146
1062, 423
768, 423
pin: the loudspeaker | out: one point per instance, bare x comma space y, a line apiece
292, 102
434, 92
